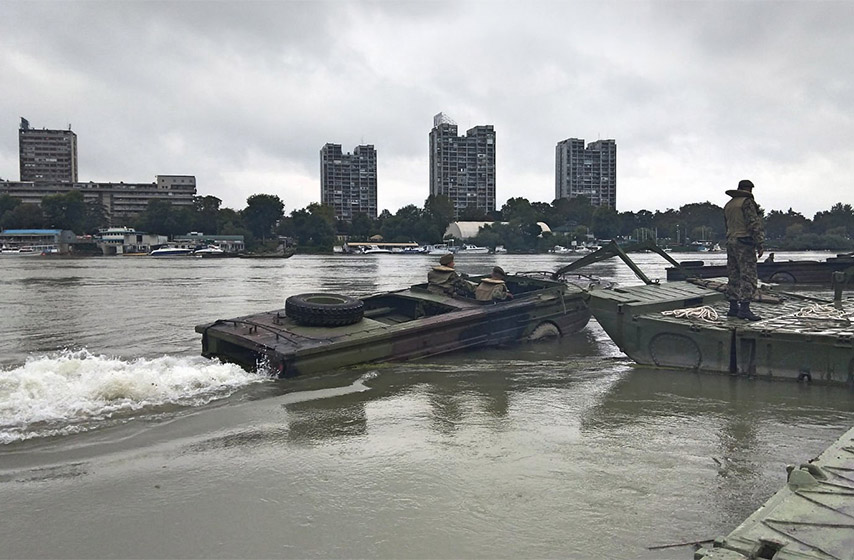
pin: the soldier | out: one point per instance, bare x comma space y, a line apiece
744, 240
493, 288
443, 279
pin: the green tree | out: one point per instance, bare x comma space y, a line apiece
263, 213
606, 223
473, 214
777, 223
405, 225
206, 214
362, 227
231, 218
23, 216
156, 218
8, 203
438, 214
839, 216
519, 209
65, 211
312, 227
96, 217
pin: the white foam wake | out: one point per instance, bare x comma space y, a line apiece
74, 391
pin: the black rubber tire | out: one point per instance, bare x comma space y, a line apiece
544, 331
324, 310
782, 277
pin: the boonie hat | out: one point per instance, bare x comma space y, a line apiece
446, 259
745, 185
498, 271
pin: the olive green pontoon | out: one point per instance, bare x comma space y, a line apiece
685, 325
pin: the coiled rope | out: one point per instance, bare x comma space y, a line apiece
819, 311
704, 313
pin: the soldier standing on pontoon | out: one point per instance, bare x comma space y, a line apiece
744, 245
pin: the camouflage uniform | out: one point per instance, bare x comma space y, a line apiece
744, 237
445, 280
491, 289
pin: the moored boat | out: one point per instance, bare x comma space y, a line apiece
171, 252
469, 249
320, 332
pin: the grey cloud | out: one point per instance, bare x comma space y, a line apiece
237, 89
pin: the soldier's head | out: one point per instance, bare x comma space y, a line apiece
447, 260
498, 273
745, 185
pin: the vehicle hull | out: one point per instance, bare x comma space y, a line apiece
388, 332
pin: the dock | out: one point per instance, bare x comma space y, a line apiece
810, 518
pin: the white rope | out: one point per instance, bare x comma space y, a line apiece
705, 313
819, 311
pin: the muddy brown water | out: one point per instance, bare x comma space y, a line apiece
121, 442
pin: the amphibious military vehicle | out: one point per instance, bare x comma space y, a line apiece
319, 332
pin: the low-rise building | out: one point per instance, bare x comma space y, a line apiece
121, 201
127, 241
228, 243
39, 240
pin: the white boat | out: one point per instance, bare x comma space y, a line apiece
574, 250
472, 250
499, 249
375, 250
561, 250
209, 250
438, 250
171, 252
22, 251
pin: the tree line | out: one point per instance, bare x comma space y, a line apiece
515, 225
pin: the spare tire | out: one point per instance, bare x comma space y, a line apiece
324, 310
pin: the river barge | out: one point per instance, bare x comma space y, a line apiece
811, 518
319, 332
775, 272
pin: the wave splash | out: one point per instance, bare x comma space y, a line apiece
75, 391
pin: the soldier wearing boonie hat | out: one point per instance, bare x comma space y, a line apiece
744, 245
493, 288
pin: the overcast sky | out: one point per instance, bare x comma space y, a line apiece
243, 95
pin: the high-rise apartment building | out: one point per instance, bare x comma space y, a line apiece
463, 167
348, 182
47, 155
590, 171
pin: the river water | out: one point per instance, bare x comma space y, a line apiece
117, 440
